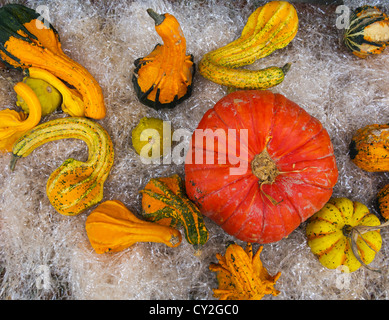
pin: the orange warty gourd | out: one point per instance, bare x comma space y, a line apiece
27, 42
383, 202
14, 124
242, 276
163, 79
270, 167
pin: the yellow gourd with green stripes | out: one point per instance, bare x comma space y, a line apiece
269, 28
75, 185
165, 202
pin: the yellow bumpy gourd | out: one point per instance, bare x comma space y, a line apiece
269, 28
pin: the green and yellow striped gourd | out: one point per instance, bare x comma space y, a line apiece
165, 202
269, 28
75, 185
368, 31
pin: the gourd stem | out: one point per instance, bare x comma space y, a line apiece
158, 18
14, 159
286, 68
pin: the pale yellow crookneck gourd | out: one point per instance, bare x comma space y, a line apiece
14, 124
72, 102
269, 28
75, 185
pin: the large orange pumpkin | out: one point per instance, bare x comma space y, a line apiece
284, 163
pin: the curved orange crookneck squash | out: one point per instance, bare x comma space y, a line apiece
112, 227
27, 42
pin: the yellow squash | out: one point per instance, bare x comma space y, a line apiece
269, 28
14, 124
111, 227
344, 234
26, 42
75, 185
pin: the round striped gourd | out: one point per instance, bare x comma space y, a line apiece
165, 202
329, 234
368, 31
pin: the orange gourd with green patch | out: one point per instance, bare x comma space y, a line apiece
27, 42
383, 201
269, 28
164, 201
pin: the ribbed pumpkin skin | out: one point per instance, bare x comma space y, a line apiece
368, 32
327, 240
25, 42
75, 185
369, 148
298, 145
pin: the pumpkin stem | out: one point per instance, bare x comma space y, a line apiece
264, 168
158, 18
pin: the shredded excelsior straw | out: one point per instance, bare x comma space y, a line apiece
44, 255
